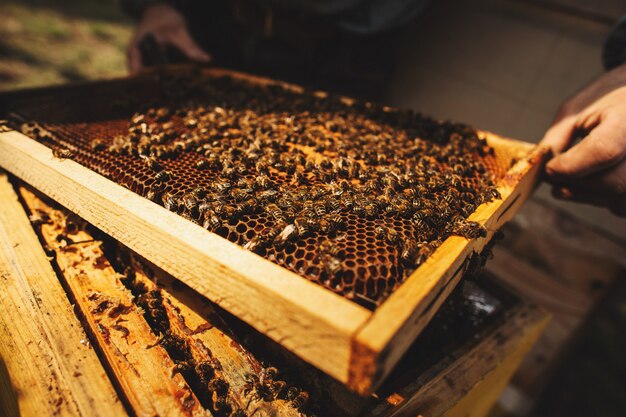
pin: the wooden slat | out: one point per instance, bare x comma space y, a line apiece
470, 384
307, 319
195, 320
398, 321
47, 356
141, 367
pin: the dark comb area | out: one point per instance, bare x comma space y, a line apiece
353, 196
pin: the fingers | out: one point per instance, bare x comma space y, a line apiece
606, 189
559, 135
617, 205
604, 147
183, 41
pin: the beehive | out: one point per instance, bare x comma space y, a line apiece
168, 351
350, 196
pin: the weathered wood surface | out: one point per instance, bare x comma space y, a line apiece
147, 374
469, 381
49, 366
140, 366
344, 340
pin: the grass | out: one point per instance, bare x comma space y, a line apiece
44, 42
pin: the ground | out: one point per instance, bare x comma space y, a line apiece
46, 42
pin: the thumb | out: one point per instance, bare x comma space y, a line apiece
189, 47
559, 135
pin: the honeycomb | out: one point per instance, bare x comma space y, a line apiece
351, 195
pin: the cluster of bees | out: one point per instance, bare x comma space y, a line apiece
265, 386
227, 153
206, 377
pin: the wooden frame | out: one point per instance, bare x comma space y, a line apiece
356, 346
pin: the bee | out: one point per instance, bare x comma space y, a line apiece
163, 176
274, 211
319, 209
424, 251
218, 387
203, 164
262, 182
152, 163
493, 192
337, 221
332, 266
199, 192
299, 400
205, 371
267, 196
211, 221
392, 236
62, 153
256, 244
288, 234
190, 202
240, 195
409, 253
299, 178
371, 186
469, 230
170, 202
153, 195
370, 210
327, 247
301, 225
97, 145
39, 217
222, 186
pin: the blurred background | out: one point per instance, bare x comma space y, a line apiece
501, 65
50, 42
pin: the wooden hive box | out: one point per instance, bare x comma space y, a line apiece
355, 345
458, 367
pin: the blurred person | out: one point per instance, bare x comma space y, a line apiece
347, 46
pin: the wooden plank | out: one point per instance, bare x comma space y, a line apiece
312, 322
470, 384
51, 366
398, 321
141, 367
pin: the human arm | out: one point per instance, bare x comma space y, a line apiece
168, 27
593, 169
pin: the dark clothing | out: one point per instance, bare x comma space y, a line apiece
614, 53
318, 44
363, 17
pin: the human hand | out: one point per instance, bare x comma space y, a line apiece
168, 27
592, 170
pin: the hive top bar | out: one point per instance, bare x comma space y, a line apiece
335, 227
352, 196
